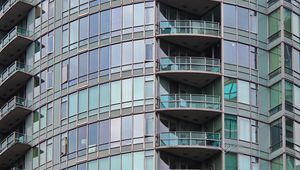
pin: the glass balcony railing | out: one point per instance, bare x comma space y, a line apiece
189, 27
14, 137
196, 101
16, 31
9, 3
10, 70
179, 138
14, 102
190, 64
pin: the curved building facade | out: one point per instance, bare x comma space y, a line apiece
149, 85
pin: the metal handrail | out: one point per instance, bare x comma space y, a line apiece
9, 3
189, 27
15, 66
12, 103
16, 31
191, 138
190, 63
14, 137
190, 101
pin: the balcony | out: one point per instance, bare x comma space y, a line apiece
12, 148
13, 78
12, 12
196, 108
196, 71
190, 33
199, 145
13, 112
13, 44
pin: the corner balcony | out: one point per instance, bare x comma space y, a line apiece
13, 44
196, 71
12, 12
193, 34
13, 113
13, 78
13, 147
196, 108
199, 145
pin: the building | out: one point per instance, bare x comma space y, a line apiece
149, 84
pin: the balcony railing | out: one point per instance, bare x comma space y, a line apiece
10, 70
16, 31
9, 3
196, 101
14, 102
189, 27
14, 137
191, 139
190, 64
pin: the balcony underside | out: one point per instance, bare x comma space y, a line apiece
12, 154
13, 118
192, 153
197, 116
13, 83
193, 78
14, 15
13, 49
196, 7
195, 42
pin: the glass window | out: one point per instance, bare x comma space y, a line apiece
127, 161
229, 16
287, 20
104, 133
93, 98
81, 166
115, 130
127, 16
274, 22
115, 55
72, 141
276, 135
288, 59
138, 125
115, 162
50, 114
138, 159
244, 130
127, 53
253, 21
230, 52
149, 15
93, 64
230, 89
43, 81
104, 97
43, 113
115, 94
275, 96
93, 131
288, 93
82, 138
243, 92
116, 19
104, 164
50, 43
139, 14
290, 163
126, 127
243, 22
72, 103
127, 90
82, 101
243, 55
230, 161
73, 72
289, 133
104, 20
92, 165
244, 162
83, 67
138, 86
139, 51
73, 32
230, 126
49, 150
276, 164
42, 153
274, 60
104, 58
36, 122
84, 28
94, 26
295, 25
297, 96
64, 106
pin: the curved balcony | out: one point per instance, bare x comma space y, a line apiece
13, 78
13, 112
13, 44
13, 147
200, 145
196, 71
12, 12
190, 33
196, 108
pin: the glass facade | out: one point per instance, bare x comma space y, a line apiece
149, 85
